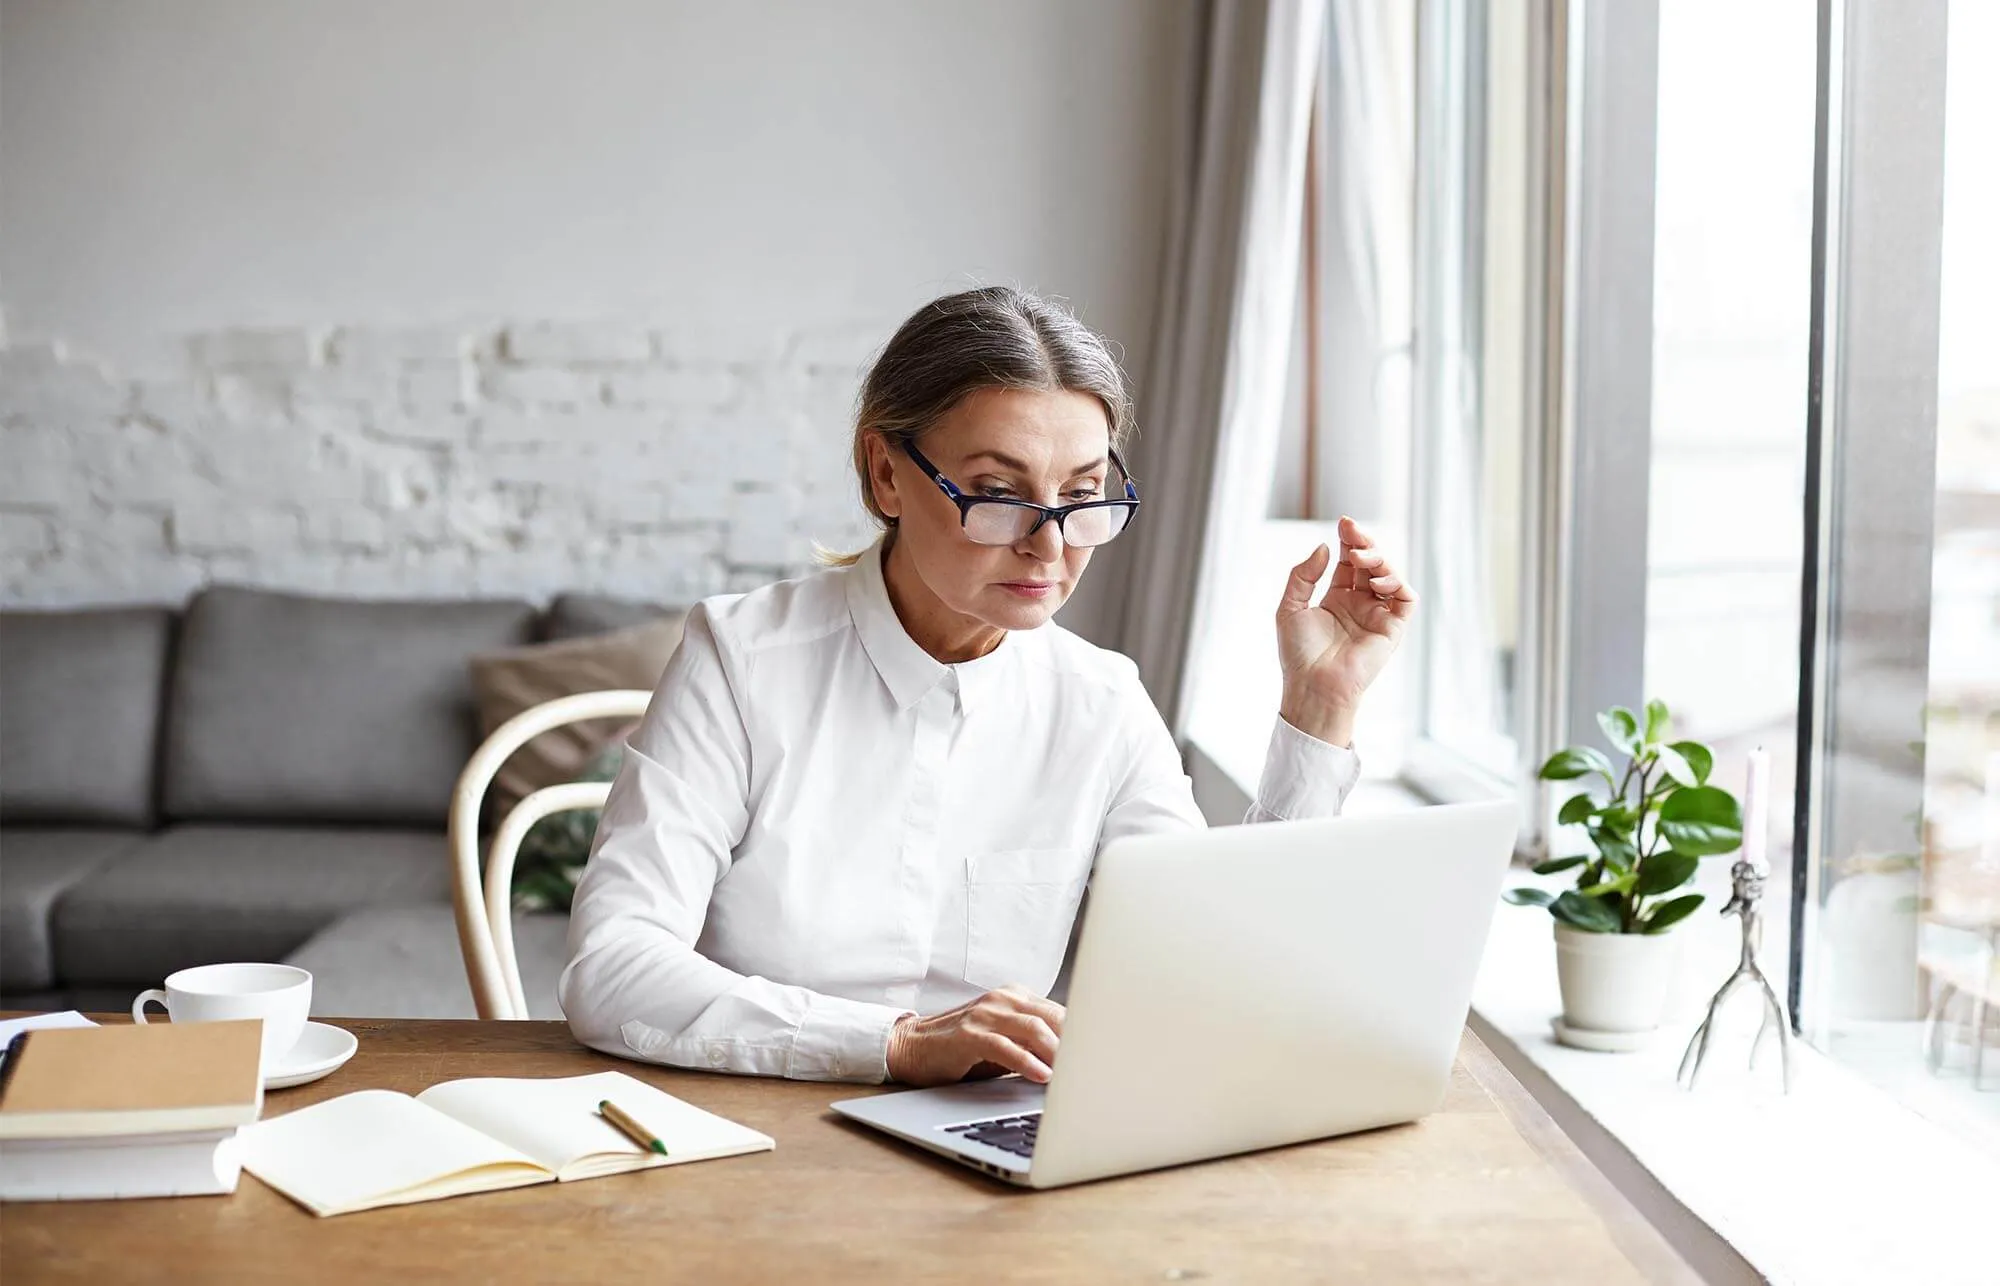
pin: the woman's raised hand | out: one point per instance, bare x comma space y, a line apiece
1009, 1030
1332, 651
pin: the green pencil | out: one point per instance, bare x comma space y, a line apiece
629, 1127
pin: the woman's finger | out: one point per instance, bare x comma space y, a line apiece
1043, 1008
1392, 586
995, 1048
1356, 566
1299, 585
1031, 1034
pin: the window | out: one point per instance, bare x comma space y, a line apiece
1414, 380
1662, 339
1476, 349
1732, 314
1898, 903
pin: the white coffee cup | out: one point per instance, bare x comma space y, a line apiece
281, 995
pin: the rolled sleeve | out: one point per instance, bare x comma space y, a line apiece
843, 1040
1303, 777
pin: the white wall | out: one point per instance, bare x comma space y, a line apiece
725, 206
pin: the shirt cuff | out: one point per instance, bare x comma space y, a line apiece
1304, 776
843, 1040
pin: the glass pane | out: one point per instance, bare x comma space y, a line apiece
1959, 893
1902, 912
1473, 353
1732, 291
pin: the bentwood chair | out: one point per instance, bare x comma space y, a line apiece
483, 907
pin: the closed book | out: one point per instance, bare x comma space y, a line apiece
93, 1113
195, 1164
156, 1078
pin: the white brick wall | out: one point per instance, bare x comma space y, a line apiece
518, 459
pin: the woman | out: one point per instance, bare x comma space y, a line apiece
851, 834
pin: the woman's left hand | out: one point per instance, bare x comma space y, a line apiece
1332, 652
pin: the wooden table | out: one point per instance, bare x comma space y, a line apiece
1485, 1190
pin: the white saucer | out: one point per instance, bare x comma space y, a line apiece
1605, 1042
321, 1048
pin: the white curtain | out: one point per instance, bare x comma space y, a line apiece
1209, 414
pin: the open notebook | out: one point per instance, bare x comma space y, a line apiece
380, 1148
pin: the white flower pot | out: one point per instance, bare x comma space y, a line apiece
1615, 983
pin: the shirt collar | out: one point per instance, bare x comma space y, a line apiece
905, 667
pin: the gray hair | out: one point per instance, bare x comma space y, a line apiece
992, 337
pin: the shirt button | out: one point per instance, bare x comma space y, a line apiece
716, 1056
839, 1068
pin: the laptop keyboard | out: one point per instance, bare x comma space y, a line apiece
1014, 1134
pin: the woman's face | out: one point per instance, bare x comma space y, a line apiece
1048, 447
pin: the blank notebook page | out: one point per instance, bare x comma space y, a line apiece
378, 1148
555, 1121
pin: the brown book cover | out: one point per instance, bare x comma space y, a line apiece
79, 1082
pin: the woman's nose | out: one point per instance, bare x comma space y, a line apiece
1045, 544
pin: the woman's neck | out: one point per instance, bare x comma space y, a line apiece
948, 636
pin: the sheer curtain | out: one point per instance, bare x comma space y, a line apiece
1210, 412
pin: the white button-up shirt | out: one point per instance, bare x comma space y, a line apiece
819, 828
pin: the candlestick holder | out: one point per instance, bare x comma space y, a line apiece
1748, 889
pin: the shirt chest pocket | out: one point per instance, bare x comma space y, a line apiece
1019, 906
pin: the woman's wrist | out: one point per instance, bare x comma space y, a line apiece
898, 1051
1327, 721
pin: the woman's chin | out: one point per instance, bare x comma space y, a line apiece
1015, 612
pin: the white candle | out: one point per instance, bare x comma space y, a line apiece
1757, 809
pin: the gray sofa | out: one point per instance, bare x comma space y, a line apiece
262, 776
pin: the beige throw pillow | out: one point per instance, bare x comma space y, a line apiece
506, 683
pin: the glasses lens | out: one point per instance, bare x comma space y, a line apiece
1088, 527
992, 523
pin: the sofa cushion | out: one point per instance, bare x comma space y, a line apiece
508, 682
404, 962
205, 894
294, 709
36, 868
80, 696
576, 615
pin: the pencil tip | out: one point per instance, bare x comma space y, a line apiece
659, 1147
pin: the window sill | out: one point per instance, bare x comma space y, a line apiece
1835, 1182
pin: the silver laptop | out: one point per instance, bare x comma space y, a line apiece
1241, 988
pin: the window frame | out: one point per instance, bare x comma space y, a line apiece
1593, 75
1872, 422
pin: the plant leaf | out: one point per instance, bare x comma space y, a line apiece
1698, 757
1576, 761
1555, 864
1618, 819
1575, 809
1589, 914
1664, 871
1675, 765
1619, 852
1656, 720
1528, 897
1702, 820
1668, 914
1621, 728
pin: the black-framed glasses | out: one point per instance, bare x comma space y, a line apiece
1003, 520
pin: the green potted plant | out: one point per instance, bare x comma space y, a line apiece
1649, 823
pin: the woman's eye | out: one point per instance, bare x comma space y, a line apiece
998, 493
1083, 495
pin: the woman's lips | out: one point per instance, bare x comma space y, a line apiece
1029, 589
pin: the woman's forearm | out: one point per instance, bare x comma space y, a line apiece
1328, 722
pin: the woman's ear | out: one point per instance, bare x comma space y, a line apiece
882, 476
